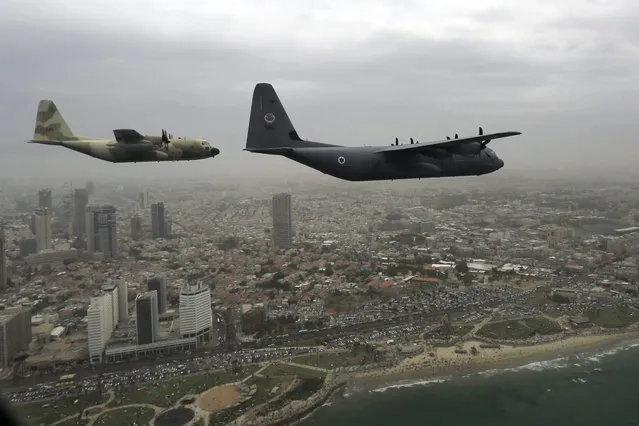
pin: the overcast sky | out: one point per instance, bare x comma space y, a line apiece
349, 72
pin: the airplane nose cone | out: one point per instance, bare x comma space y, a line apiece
214, 152
499, 163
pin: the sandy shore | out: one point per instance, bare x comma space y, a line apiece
446, 361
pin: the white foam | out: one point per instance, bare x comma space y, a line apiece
411, 384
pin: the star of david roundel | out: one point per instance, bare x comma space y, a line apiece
341, 160
269, 118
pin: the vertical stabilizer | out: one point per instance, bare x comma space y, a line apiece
50, 126
269, 125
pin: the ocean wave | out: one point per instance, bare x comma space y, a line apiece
598, 356
551, 364
411, 384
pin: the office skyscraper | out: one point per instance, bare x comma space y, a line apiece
3, 259
80, 201
44, 199
42, 229
158, 284
143, 199
196, 316
146, 317
136, 227
123, 296
158, 221
282, 221
15, 333
101, 229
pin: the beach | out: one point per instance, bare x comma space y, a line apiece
445, 360
581, 381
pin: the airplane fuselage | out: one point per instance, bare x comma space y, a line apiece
365, 164
117, 152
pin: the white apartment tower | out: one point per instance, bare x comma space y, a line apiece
196, 315
102, 316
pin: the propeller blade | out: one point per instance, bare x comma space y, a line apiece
396, 141
481, 131
411, 141
456, 136
447, 138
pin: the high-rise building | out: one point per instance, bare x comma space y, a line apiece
102, 316
101, 230
44, 199
158, 284
110, 289
158, 221
3, 259
15, 333
136, 227
90, 187
80, 201
123, 305
42, 229
196, 316
146, 317
282, 221
143, 199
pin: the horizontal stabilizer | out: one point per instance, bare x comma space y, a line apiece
447, 144
127, 135
45, 142
275, 151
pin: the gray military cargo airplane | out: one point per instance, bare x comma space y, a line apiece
270, 131
129, 146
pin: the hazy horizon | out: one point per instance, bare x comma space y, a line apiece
353, 73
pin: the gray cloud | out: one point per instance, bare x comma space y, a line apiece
570, 96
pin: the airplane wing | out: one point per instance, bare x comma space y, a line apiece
127, 136
445, 144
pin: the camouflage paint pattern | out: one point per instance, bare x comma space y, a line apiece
52, 129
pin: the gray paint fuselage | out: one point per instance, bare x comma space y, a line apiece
365, 164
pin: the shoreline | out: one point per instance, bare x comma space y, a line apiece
446, 361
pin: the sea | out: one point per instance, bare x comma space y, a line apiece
599, 388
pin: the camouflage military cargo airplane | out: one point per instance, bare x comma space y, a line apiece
129, 146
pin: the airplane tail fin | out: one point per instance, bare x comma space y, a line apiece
269, 125
50, 125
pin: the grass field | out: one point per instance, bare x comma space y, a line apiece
47, 412
166, 393
614, 316
279, 370
330, 360
519, 329
126, 416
